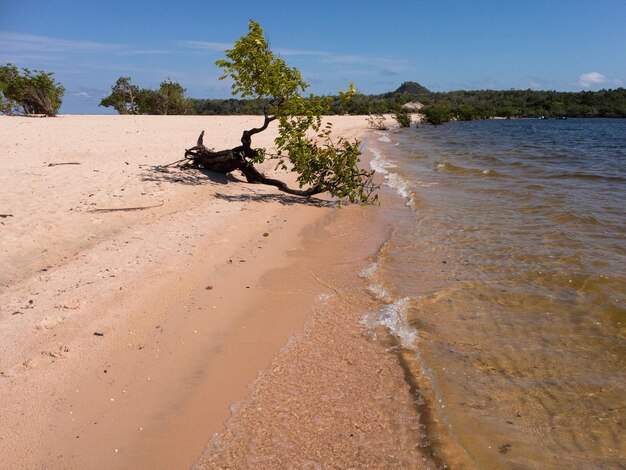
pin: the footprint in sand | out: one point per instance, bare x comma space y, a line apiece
49, 323
43, 359
70, 304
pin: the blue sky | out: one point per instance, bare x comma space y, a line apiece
444, 45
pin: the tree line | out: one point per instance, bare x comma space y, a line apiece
459, 105
485, 104
37, 92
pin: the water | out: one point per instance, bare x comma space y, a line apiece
505, 277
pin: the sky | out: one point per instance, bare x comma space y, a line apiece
566, 45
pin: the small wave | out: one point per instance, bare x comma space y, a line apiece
425, 184
585, 176
381, 166
459, 170
378, 163
379, 292
567, 217
384, 139
393, 317
393, 180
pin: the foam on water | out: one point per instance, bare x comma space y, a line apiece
392, 317
369, 271
460, 170
378, 163
379, 292
392, 179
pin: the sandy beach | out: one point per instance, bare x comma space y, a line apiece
137, 307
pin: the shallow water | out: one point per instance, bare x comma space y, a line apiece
505, 275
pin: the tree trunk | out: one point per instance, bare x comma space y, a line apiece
238, 158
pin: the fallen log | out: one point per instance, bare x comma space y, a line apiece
238, 158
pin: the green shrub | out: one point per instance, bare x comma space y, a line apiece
35, 91
437, 113
403, 116
378, 122
127, 98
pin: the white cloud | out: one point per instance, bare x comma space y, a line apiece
17, 42
323, 57
298, 52
207, 46
82, 94
25, 44
593, 79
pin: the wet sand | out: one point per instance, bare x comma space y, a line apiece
333, 397
127, 334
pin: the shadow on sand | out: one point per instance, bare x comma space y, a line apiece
170, 175
163, 174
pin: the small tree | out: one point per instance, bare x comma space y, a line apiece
148, 101
378, 122
123, 98
172, 98
33, 90
322, 164
402, 115
437, 113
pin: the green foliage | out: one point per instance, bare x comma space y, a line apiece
123, 97
402, 115
148, 101
378, 122
303, 146
257, 72
437, 113
127, 98
485, 104
171, 98
35, 91
8, 74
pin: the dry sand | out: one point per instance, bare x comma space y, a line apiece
126, 335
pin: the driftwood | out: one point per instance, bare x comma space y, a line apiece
63, 163
238, 158
126, 209
4, 216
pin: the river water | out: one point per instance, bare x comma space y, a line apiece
504, 277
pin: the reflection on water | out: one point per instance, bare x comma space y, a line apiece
510, 246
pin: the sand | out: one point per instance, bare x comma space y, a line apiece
127, 335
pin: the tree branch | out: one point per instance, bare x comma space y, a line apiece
254, 176
246, 138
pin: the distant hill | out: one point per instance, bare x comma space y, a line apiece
412, 88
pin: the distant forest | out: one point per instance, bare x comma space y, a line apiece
461, 105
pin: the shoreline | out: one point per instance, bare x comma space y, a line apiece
105, 325
334, 394
344, 389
